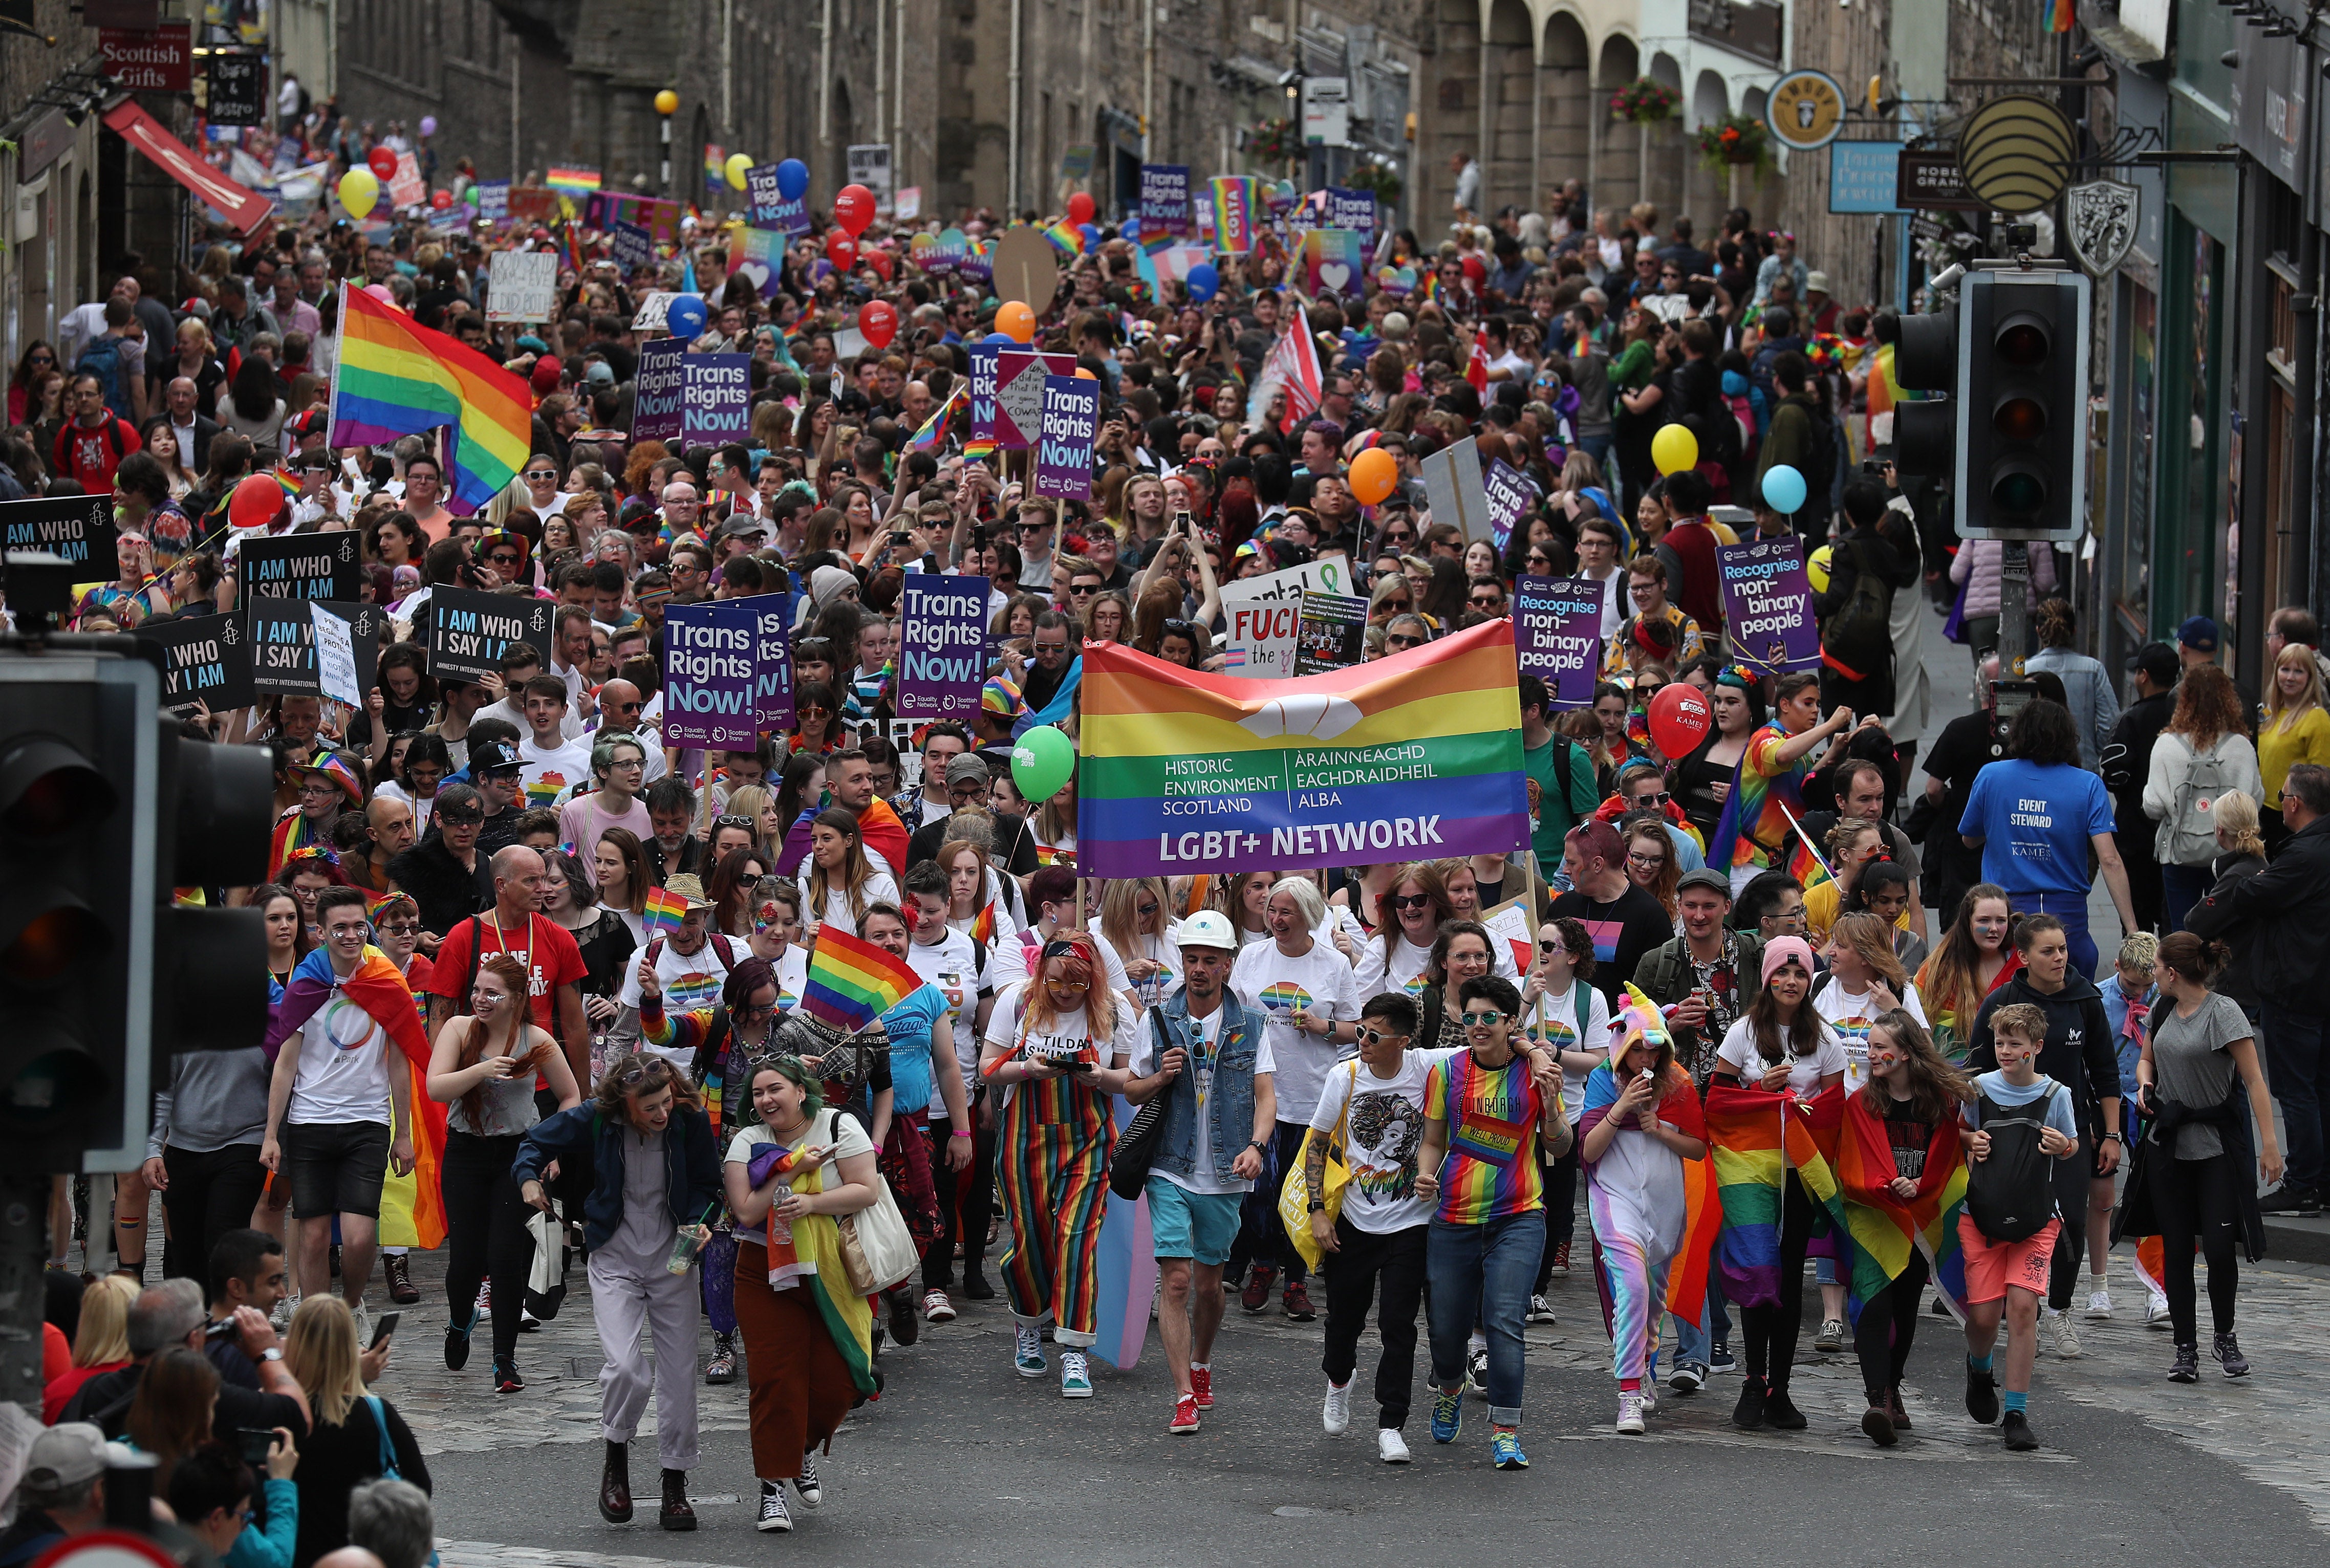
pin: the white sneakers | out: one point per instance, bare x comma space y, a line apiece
2157, 1313
1390, 1447
1629, 1415
2099, 1304
1337, 1416
2066, 1339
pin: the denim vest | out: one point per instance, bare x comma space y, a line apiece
1230, 1101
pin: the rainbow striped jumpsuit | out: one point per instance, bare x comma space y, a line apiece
1051, 1177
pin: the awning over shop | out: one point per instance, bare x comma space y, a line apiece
245, 209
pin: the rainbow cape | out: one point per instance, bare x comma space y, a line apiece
398, 378
852, 982
292, 834
1759, 815
1703, 1211
412, 1207
1330, 769
807, 1257
1758, 1138
664, 910
1881, 1230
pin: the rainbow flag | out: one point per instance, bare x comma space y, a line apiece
397, 378
973, 449
544, 791
852, 982
572, 182
1881, 1229
412, 1209
1418, 754
664, 910
983, 924
291, 485
1758, 1138
933, 430
1066, 238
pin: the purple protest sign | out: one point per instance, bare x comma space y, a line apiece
772, 658
1071, 421
1164, 199
942, 645
658, 401
707, 676
1557, 634
982, 390
1767, 605
631, 246
717, 399
770, 209
1353, 210
1019, 376
1510, 497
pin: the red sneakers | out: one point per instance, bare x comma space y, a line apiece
1185, 1415
1297, 1303
1256, 1294
1201, 1383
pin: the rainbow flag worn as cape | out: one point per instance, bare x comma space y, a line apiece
1766, 801
1703, 1209
852, 982
1880, 1229
1758, 1138
293, 832
412, 1207
397, 378
664, 910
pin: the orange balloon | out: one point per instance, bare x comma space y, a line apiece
1015, 321
1084, 374
1375, 474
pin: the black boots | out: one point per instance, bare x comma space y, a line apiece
677, 1514
615, 1485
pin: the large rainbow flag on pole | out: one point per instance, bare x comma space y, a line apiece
852, 982
397, 378
1414, 757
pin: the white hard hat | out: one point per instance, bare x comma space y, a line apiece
1208, 929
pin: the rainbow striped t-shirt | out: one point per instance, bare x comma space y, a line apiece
1491, 1112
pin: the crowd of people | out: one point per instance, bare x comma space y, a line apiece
537, 974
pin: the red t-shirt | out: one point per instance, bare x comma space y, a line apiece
90, 453
547, 950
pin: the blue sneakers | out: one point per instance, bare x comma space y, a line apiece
1027, 1355
1447, 1414
1505, 1448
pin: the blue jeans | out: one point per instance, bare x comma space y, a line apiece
2072, 908
1692, 1340
2296, 1069
1483, 1270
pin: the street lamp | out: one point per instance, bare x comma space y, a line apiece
667, 104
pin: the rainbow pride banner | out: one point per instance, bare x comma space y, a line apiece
398, 378
1414, 757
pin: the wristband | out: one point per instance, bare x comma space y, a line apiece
958, 1135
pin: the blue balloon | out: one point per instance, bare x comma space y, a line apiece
1784, 488
1130, 229
1091, 231
685, 317
1204, 281
1005, 338
792, 179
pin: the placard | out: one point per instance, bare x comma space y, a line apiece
869, 165
301, 565
1767, 605
493, 200
631, 246
658, 395
335, 658
205, 660
708, 696
1557, 634
1334, 262
1510, 496
282, 638
717, 392
653, 310
983, 357
72, 528
1064, 453
772, 658
942, 645
1352, 210
758, 257
1164, 199
469, 632
1019, 376
1453, 489
1332, 633
1265, 612
521, 286
406, 188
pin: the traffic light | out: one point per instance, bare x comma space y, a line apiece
2021, 425
2010, 434
103, 808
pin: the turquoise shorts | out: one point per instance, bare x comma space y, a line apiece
1199, 1226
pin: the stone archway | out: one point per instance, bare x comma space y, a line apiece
1563, 141
1706, 192
1449, 121
1617, 178
1508, 110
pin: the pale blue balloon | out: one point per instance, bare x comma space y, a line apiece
1784, 488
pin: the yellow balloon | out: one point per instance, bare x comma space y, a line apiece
1816, 570
666, 102
737, 164
359, 191
1674, 448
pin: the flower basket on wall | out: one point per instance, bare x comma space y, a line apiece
1645, 100
1735, 141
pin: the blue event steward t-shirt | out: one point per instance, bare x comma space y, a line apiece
2034, 820
908, 1024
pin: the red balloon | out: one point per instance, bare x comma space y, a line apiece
382, 162
879, 260
877, 322
440, 200
1680, 718
255, 502
1080, 208
842, 252
853, 208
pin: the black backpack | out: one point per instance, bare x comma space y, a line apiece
2011, 1193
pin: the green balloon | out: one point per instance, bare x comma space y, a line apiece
1041, 762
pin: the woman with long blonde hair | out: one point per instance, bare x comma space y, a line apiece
100, 1341
2295, 730
1136, 921
350, 1428
1057, 1047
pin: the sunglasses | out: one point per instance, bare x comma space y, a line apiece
460, 818
726, 820
1086, 591
808, 708
1403, 640
400, 929
1656, 797
1068, 985
545, 477
654, 1069
1485, 600
1547, 946
1481, 1020
1376, 1037
1410, 900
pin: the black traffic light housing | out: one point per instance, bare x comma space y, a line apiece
2021, 424
1925, 360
